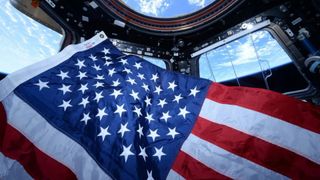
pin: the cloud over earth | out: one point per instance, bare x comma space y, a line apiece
197, 2
153, 7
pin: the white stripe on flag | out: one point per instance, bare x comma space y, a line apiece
225, 162
173, 175
273, 130
49, 140
11, 169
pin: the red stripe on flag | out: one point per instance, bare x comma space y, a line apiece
39, 165
256, 150
190, 168
3, 117
268, 102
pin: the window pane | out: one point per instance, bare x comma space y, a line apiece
23, 41
255, 60
155, 61
216, 65
239, 58
167, 8
269, 49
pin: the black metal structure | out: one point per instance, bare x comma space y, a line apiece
179, 39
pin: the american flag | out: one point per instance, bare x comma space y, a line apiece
92, 112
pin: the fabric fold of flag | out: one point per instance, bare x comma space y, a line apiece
92, 112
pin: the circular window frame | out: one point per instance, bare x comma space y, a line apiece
169, 26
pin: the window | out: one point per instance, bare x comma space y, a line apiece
23, 41
155, 61
255, 60
167, 8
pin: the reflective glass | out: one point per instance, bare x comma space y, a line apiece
23, 40
248, 55
166, 8
155, 61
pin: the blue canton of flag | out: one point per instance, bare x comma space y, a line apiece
129, 115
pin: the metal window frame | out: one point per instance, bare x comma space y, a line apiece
297, 59
286, 44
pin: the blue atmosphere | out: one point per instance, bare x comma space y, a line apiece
166, 8
23, 41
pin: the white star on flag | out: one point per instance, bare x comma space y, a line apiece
115, 83
153, 134
80, 64
99, 77
145, 87
128, 71
126, 152
162, 102
120, 110
84, 102
42, 84
98, 84
183, 112
82, 75
65, 105
194, 91
172, 85
98, 96
149, 173
165, 116
131, 81
137, 111
94, 58
141, 76
107, 58
134, 95
101, 113
143, 153
107, 63
124, 61
149, 117
65, 89
159, 153
177, 98
158, 90
83, 88
63, 75
96, 67
116, 93
137, 65
140, 131
147, 101
123, 129
85, 118
111, 72
104, 132
172, 133
155, 77
106, 51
